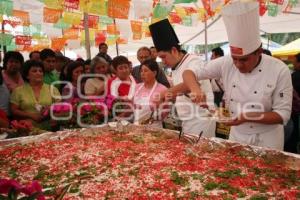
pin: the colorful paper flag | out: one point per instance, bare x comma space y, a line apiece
6, 7
174, 18
293, 3
51, 15
100, 38
58, 43
72, 18
71, 33
137, 36
55, 4
5, 39
22, 16
118, 8
62, 25
106, 20
142, 8
187, 21
111, 39
71, 4
93, 21
96, 7
112, 29
185, 1
11, 47
122, 40
272, 10
136, 26
23, 40
161, 12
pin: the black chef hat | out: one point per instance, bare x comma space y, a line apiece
163, 35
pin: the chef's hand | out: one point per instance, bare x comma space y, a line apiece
162, 97
198, 96
235, 121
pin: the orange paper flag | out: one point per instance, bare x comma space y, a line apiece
23, 16
51, 15
136, 26
112, 29
58, 43
71, 33
118, 8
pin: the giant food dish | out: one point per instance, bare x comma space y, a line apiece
142, 163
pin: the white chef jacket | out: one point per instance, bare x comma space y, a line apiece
267, 88
194, 118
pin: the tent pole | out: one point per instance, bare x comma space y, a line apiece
87, 35
205, 38
268, 41
3, 32
117, 45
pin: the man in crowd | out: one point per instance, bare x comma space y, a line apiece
103, 52
143, 54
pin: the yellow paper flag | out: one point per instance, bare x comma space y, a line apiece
72, 18
98, 7
180, 11
55, 4
92, 35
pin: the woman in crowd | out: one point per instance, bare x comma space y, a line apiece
12, 64
96, 86
71, 91
147, 91
29, 101
122, 87
123, 84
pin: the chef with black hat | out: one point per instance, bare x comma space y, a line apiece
194, 118
258, 88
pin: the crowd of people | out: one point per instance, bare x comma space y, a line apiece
29, 88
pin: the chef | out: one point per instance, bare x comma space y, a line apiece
194, 118
258, 87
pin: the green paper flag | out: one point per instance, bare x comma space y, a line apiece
185, 1
33, 29
12, 46
105, 20
5, 39
293, 2
6, 7
61, 24
187, 21
161, 12
272, 10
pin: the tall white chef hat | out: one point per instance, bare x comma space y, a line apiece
241, 20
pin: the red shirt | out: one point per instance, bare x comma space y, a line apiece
123, 88
3, 116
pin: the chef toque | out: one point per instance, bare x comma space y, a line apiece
241, 20
163, 35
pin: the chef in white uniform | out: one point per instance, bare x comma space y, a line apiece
194, 118
258, 88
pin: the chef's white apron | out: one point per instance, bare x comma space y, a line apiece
271, 139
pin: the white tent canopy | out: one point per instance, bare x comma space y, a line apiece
283, 23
